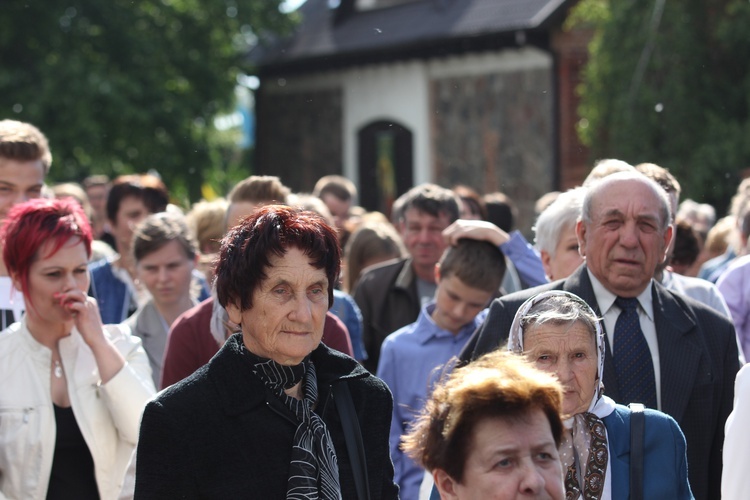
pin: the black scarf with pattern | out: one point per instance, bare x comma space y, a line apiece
313, 471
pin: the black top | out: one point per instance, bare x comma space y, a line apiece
72, 466
7, 318
220, 433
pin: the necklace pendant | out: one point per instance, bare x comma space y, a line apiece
57, 370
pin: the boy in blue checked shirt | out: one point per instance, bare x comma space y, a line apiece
468, 276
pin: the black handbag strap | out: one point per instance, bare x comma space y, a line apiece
637, 430
353, 436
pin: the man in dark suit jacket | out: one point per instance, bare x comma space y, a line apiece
623, 235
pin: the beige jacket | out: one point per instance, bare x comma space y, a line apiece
107, 414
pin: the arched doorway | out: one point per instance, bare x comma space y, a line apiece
385, 164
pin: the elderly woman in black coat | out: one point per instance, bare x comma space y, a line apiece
260, 420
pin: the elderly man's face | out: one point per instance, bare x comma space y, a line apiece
624, 241
423, 236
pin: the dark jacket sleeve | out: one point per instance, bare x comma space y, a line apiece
365, 303
162, 470
374, 406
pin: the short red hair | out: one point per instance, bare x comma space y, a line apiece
31, 224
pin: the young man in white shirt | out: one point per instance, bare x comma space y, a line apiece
25, 159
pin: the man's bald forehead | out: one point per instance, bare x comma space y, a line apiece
606, 184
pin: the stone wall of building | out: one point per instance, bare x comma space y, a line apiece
299, 136
495, 132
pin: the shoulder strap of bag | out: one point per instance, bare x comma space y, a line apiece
637, 430
353, 437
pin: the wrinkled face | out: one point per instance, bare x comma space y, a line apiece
624, 242
509, 459
289, 308
19, 181
49, 275
456, 303
423, 236
166, 272
132, 211
566, 259
569, 352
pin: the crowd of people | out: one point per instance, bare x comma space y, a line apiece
304, 347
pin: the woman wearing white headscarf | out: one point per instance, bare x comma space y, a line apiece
561, 334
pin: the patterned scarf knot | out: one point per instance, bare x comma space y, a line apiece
313, 470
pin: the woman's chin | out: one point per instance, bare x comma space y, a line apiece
66, 316
53, 314
291, 357
568, 410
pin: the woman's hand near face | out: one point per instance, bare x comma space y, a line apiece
85, 314
88, 322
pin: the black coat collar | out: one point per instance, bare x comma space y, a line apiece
240, 391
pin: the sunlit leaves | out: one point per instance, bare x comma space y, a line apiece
128, 85
688, 109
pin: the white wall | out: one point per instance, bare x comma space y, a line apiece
400, 92
395, 92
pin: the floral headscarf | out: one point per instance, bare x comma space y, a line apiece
584, 451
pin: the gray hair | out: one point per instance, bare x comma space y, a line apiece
664, 208
430, 199
560, 310
559, 215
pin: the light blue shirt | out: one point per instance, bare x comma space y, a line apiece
527, 262
410, 363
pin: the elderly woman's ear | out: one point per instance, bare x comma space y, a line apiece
235, 312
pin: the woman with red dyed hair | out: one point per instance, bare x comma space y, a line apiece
73, 390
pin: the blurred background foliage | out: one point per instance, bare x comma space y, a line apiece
669, 83
130, 85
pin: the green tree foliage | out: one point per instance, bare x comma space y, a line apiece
125, 86
668, 82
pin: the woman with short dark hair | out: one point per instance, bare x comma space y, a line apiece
260, 419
